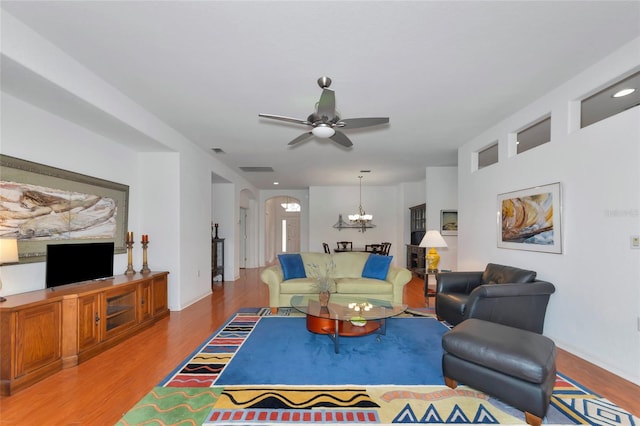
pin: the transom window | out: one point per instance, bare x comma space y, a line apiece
534, 135
488, 156
614, 99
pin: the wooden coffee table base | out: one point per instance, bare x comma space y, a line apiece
328, 326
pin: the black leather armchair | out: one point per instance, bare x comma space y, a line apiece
501, 294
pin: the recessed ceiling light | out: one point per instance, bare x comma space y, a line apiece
276, 183
623, 92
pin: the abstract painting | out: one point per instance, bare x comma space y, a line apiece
40, 204
530, 219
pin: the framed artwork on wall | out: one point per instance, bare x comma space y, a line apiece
42, 205
530, 219
449, 222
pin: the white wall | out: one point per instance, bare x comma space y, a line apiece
594, 312
442, 194
58, 143
159, 216
169, 189
326, 203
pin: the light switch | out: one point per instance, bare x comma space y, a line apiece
635, 241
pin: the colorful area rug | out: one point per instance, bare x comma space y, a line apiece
255, 370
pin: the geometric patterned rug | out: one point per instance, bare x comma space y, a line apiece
189, 395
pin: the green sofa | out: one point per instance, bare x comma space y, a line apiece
348, 276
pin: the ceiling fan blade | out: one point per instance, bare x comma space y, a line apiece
303, 137
283, 118
327, 104
355, 123
341, 139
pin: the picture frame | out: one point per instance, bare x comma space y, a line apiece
41, 205
449, 222
531, 219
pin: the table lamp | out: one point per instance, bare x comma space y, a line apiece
8, 254
431, 240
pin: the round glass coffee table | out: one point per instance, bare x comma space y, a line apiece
346, 316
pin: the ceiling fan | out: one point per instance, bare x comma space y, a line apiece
324, 120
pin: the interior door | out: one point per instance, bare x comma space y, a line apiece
293, 234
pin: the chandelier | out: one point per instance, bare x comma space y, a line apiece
361, 218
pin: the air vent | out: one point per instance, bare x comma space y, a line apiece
365, 171
256, 169
218, 150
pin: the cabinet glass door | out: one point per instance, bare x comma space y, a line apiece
120, 311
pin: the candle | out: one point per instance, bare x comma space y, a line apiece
129, 237
145, 238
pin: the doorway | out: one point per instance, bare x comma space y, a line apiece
291, 234
243, 238
282, 227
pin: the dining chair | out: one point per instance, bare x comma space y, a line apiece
344, 245
326, 248
373, 248
385, 248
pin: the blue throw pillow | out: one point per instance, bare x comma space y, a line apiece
377, 266
292, 266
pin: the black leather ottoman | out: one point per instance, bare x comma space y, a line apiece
516, 366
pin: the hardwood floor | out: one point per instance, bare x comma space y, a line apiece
100, 390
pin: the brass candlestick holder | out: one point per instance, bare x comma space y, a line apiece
129, 270
145, 265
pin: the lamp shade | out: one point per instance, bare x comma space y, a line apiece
433, 239
8, 250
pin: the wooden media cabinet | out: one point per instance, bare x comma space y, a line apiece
44, 331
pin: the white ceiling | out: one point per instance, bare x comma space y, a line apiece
443, 71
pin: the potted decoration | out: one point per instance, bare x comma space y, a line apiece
324, 283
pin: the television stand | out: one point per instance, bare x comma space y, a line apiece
44, 331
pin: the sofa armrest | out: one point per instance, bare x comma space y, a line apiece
458, 282
398, 277
273, 277
517, 305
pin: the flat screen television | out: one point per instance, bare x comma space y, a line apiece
70, 263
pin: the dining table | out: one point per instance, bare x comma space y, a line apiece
342, 249
360, 249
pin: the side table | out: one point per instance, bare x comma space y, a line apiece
427, 291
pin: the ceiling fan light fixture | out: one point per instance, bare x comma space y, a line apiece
326, 118
323, 131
